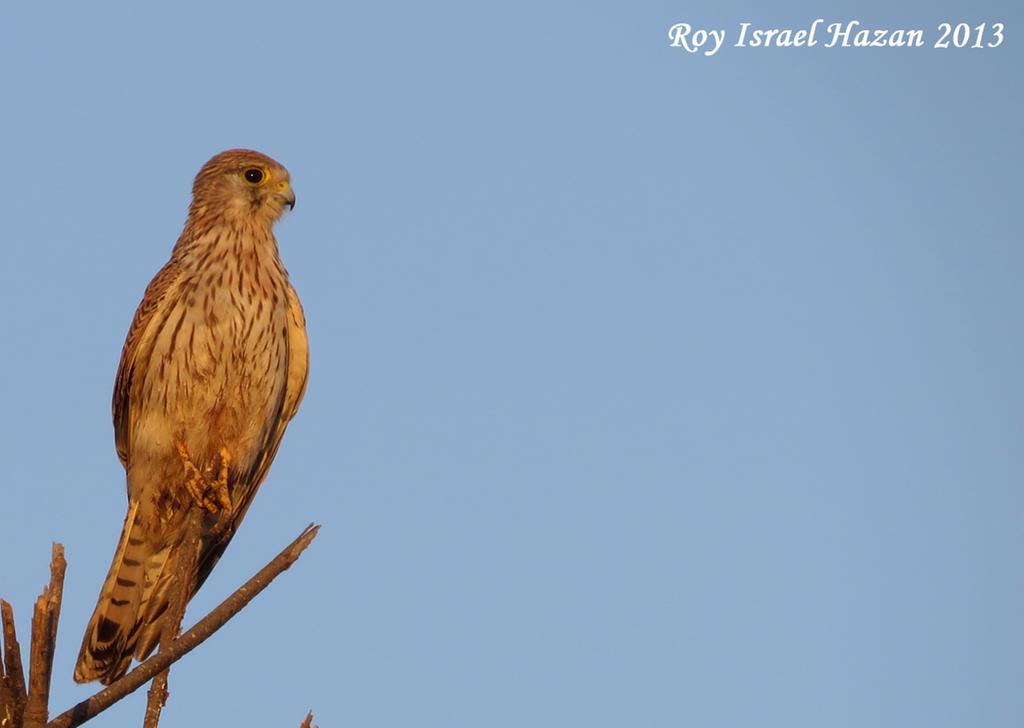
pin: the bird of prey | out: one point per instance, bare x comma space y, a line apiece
213, 369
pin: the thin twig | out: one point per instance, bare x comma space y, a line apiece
44, 640
189, 640
181, 590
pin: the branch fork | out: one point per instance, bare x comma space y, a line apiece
24, 706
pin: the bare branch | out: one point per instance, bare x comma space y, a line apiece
44, 640
308, 722
189, 640
12, 684
181, 589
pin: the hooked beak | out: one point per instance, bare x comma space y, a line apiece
287, 194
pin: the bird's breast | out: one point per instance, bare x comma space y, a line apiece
220, 359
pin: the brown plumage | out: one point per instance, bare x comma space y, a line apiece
213, 368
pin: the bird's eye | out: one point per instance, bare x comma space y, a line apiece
253, 176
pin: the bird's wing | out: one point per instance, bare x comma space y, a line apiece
298, 359
249, 482
146, 319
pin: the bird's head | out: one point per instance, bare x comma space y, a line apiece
244, 185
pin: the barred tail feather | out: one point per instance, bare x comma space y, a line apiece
149, 627
113, 629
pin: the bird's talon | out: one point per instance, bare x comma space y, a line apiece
198, 486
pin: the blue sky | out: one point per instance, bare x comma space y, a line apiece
647, 389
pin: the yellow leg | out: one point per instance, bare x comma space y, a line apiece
220, 488
195, 483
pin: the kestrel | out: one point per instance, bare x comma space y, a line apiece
213, 368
